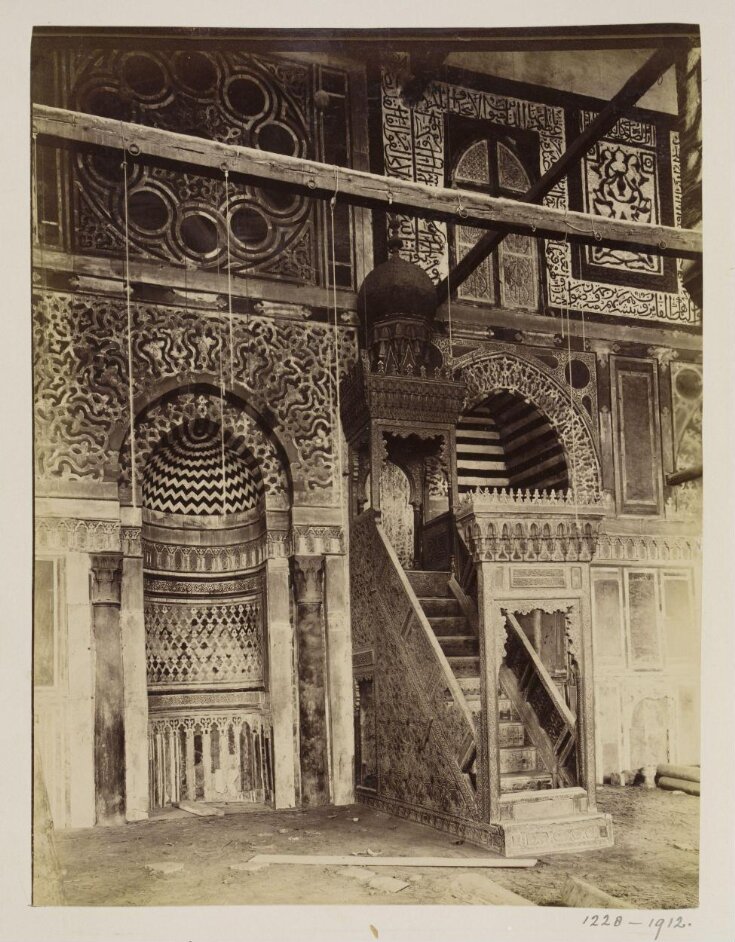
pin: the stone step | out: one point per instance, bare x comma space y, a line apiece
506, 713
449, 625
547, 803
441, 608
429, 584
524, 781
465, 666
517, 759
590, 831
458, 645
511, 734
470, 686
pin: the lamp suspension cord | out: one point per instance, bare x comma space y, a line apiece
131, 411
229, 278
222, 353
571, 410
332, 204
449, 304
222, 419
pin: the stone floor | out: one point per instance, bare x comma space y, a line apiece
654, 863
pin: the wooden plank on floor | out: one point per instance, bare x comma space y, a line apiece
347, 860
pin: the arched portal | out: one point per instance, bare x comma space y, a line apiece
506, 442
205, 486
487, 374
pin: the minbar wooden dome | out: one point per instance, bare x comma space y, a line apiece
396, 288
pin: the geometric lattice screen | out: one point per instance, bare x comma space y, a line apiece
207, 644
185, 475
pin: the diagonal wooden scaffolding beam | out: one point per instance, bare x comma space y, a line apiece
634, 89
362, 188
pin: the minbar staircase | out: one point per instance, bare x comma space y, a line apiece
520, 767
537, 816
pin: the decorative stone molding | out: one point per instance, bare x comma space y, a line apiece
648, 548
131, 541
316, 540
175, 557
78, 536
105, 578
199, 587
172, 704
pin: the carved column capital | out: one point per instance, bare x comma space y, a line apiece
603, 348
664, 355
105, 578
308, 579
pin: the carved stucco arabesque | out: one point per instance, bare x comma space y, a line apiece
81, 373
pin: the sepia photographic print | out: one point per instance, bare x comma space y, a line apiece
367, 454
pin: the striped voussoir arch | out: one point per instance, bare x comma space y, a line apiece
506, 442
185, 474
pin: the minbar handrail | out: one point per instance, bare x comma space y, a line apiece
569, 718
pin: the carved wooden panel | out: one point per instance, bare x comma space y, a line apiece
414, 147
397, 512
194, 218
637, 435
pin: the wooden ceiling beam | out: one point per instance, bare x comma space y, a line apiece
375, 43
634, 89
359, 187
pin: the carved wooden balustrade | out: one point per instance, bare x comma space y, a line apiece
530, 526
534, 695
426, 735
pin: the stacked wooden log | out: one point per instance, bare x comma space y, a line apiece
683, 778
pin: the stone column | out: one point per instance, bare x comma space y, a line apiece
585, 692
109, 723
602, 350
281, 681
339, 670
488, 758
81, 720
313, 732
132, 628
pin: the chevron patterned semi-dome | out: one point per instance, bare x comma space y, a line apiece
184, 475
